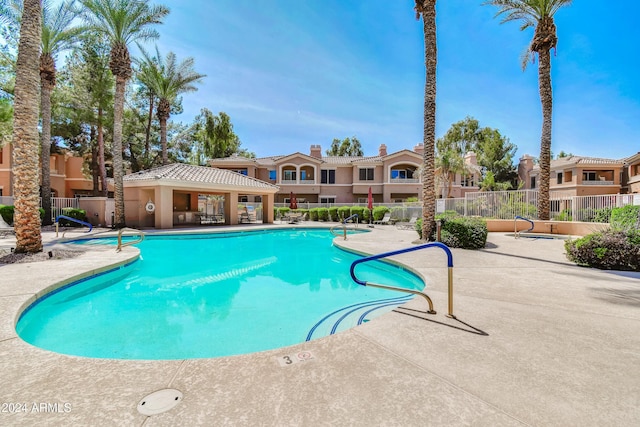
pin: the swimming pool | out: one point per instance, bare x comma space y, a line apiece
212, 295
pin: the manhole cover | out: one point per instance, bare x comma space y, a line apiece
159, 401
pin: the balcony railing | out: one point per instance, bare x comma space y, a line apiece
404, 180
294, 181
596, 182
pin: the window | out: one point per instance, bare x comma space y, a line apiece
366, 174
243, 199
327, 176
588, 176
0, 192
290, 175
327, 200
559, 177
467, 181
240, 171
303, 175
533, 182
272, 175
401, 174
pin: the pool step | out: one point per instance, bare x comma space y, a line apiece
353, 315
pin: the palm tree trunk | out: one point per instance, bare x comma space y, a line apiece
118, 172
45, 110
94, 162
163, 141
103, 170
26, 218
147, 137
546, 98
429, 138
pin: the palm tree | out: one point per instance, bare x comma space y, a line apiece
121, 21
427, 9
538, 14
57, 36
167, 79
26, 219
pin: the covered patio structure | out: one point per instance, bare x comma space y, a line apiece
181, 194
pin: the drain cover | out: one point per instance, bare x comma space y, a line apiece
159, 401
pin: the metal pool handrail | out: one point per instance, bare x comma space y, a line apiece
68, 218
344, 226
515, 226
411, 291
133, 242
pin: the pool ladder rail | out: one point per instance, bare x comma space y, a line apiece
516, 233
411, 291
353, 218
133, 242
68, 218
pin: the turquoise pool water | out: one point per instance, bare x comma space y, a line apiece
194, 296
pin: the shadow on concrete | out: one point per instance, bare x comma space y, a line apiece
467, 327
630, 297
562, 263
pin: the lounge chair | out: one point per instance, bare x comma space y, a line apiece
386, 219
5, 228
410, 225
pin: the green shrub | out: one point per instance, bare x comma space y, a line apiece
607, 250
397, 213
358, 210
459, 231
313, 214
366, 215
7, 214
602, 215
343, 212
323, 214
333, 213
79, 214
565, 215
379, 211
625, 218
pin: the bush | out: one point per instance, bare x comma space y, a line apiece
343, 212
607, 250
379, 211
313, 214
333, 213
602, 215
565, 215
358, 210
625, 218
323, 214
79, 214
366, 215
459, 231
7, 214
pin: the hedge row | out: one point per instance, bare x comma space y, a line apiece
459, 231
6, 211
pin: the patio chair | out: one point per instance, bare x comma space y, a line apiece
386, 219
409, 225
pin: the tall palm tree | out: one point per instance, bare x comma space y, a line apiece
26, 220
57, 36
427, 9
121, 21
538, 14
167, 79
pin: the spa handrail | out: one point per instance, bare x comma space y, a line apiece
68, 218
133, 242
344, 226
411, 291
515, 225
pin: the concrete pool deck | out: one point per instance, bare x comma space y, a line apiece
538, 341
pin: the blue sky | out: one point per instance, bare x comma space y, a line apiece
293, 73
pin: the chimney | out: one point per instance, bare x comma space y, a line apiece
419, 148
382, 151
316, 151
470, 158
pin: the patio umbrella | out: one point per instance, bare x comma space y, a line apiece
293, 203
370, 204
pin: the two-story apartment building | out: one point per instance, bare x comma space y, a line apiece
314, 178
67, 175
585, 176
